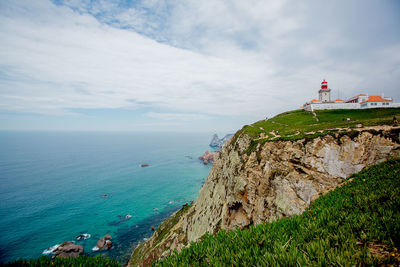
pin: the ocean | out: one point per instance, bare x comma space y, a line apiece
57, 185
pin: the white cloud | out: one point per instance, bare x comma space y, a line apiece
177, 116
216, 57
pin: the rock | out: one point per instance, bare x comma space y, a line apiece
109, 243
107, 237
215, 141
218, 143
278, 179
144, 165
208, 157
153, 228
68, 250
66, 243
101, 243
226, 138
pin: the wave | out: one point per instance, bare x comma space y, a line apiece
50, 249
83, 236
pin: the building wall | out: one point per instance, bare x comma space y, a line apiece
380, 105
324, 95
310, 107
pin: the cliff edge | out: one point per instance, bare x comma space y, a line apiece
260, 177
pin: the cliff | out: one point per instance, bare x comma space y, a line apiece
256, 179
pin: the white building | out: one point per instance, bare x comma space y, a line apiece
355, 102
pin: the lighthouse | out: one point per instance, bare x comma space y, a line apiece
324, 92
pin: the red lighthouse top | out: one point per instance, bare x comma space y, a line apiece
324, 84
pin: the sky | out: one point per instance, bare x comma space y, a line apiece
187, 66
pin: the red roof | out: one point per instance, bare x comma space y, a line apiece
314, 100
376, 98
339, 100
324, 81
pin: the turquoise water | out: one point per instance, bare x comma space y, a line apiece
52, 187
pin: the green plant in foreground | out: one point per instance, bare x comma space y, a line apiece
79, 261
340, 228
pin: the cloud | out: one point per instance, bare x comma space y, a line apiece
176, 116
45, 59
212, 58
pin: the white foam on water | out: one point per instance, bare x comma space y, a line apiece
95, 248
83, 236
50, 249
128, 216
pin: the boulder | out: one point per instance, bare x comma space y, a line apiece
209, 157
68, 250
100, 244
107, 237
108, 243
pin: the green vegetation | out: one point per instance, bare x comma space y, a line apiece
144, 249
79, 261
297, 124
356, 224
169, 223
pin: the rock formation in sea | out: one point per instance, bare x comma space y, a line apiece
68, 250
209, 157
103, 243
275, 179
218, 143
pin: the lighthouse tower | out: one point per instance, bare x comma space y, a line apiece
324, 92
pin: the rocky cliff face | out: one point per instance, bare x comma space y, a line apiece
277, 179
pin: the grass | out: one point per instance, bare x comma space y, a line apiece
299, 124
356, 224
144, 250
79, 261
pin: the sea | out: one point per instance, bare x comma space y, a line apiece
55, 186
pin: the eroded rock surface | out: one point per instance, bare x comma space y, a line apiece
277, 179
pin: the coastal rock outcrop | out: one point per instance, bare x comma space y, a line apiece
68, 250
253, 184
209, 157
218, 143
215, 141
103, 243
